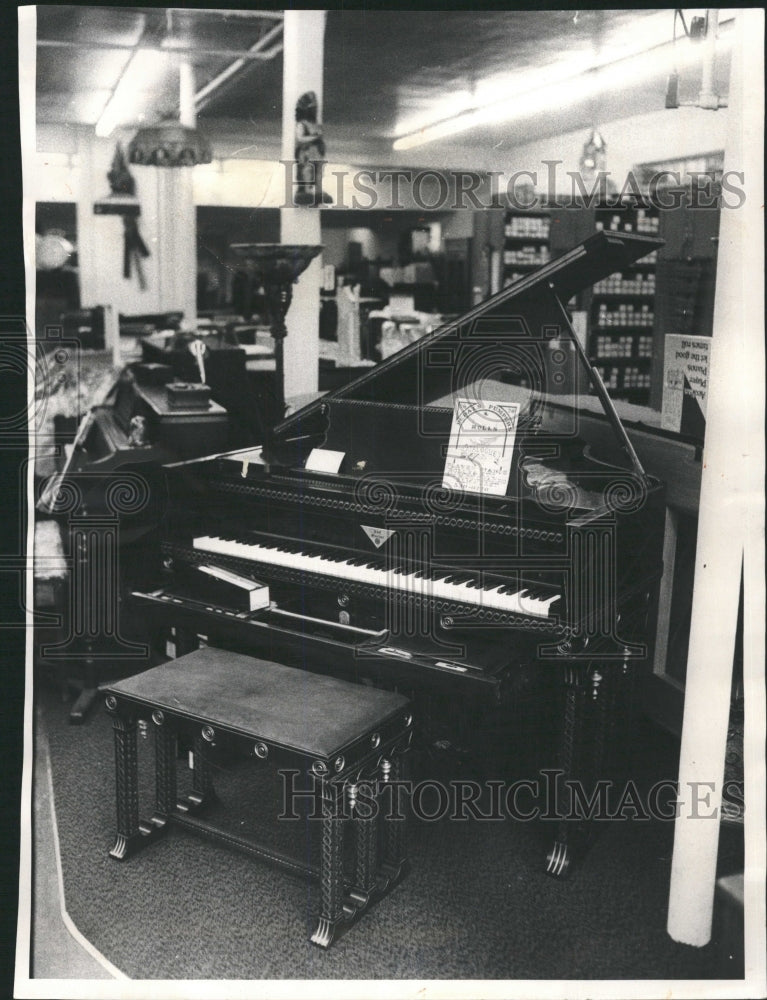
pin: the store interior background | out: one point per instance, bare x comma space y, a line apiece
381, 72
385, 74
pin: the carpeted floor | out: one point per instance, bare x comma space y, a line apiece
477, 904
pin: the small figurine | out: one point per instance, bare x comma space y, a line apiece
137, 438
310, 148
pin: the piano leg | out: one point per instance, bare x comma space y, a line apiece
184, 641
89, 690
581, 764
83, 704
559, 857
597, 716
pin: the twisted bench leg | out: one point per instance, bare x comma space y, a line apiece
165, 770
331, 867
365, 807
395, 860
132, 832
126, 785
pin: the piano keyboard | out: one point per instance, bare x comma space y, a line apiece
460, 587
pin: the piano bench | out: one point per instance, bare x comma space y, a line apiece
348, 740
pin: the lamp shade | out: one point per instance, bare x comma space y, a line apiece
169, 145
278, 262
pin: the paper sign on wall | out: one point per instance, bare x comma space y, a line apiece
685, 384
481, 446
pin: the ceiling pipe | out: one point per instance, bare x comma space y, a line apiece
271, 15
203, 96
107, 120
249, 54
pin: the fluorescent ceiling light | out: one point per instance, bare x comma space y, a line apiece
131, 96
578, 77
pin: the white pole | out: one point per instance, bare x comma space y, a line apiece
176, 246
707, 97
112, 334
718, 557
752, 404
186, 94
304, 37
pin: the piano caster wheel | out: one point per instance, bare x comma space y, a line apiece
558, 860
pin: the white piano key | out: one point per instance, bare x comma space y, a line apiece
435, 586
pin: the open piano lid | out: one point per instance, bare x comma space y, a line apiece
517, 346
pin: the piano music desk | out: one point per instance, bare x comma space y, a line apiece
346, 737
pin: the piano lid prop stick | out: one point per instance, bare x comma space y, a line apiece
604, 396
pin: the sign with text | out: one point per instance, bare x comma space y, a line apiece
685, 384
481, 446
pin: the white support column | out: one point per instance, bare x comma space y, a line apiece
87, 241
303, 49
177, 221
721, 528
176, 246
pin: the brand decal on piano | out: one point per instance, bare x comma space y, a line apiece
377, 535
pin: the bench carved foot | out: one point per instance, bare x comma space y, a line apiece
326, 932
559, 859
126, 847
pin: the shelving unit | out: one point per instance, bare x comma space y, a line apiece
629, 312
622, 309
525, 244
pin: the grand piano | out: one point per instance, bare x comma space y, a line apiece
440, 526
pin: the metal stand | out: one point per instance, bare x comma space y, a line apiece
278, 267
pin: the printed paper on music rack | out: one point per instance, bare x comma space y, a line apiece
481, 446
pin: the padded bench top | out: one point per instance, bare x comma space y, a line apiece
310, 713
